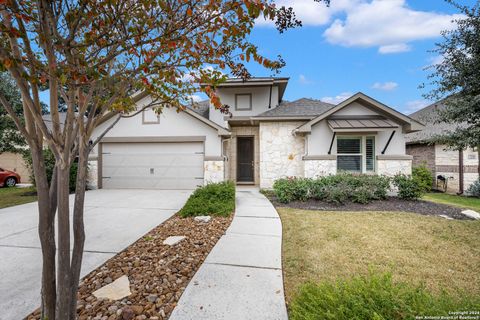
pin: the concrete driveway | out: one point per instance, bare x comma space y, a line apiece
113, 220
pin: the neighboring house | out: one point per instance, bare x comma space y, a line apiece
264, 139
14, 162
460, 168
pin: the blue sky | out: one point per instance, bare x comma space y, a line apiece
379, 47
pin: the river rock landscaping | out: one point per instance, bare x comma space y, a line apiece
158, 273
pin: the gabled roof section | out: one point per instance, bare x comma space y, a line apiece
221, 130
430, 115
303, 108
202, 108
281, 82
409, 124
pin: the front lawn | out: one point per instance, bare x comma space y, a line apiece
15, 196
454, 200
325, 246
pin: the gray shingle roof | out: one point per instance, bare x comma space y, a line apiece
300, 107
430, 117
202, 108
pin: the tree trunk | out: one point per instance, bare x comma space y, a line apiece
46, 232
78, 227
64, 270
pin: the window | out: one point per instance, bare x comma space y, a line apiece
243, 101
356, 154
349, 154
370, 153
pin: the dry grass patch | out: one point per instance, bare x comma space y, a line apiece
322, 245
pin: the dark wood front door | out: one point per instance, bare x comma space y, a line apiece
245, 161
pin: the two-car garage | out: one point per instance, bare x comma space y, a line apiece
151, 165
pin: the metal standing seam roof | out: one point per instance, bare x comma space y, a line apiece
361, 124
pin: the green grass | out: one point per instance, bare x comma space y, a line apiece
454, 200
216, 199
374, 296
15, 196
323, 247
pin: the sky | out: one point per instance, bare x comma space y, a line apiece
378, 47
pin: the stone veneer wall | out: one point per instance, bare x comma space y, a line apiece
92, 177
280, 152
317, 168
391, 167
446, 164
213, 171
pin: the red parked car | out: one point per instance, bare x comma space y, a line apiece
8, 178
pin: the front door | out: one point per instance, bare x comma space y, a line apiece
245, 160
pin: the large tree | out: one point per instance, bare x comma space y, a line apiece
456, 79
94, 54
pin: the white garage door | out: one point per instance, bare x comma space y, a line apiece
152, 165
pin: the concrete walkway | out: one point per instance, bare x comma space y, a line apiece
242, 276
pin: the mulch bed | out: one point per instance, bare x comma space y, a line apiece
390, 204
158, 273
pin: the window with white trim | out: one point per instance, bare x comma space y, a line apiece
356, 153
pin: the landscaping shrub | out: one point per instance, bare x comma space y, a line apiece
338, 188
216, 199
49, 166
423, 176
375, 296
409, 188
474, 189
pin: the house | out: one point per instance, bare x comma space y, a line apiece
459, 168
14, 162
265, 138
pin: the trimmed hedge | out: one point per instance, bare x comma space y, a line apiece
409, 187
423, 176
338, 188
375, 296
216, 199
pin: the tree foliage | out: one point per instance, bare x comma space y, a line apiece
10, 138
456, 79
95, 56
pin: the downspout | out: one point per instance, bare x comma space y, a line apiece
225, 157
270, 98
460, 172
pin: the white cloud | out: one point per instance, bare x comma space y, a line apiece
337, 99
388, 24
386, 86
394, 48
415, 105
313, 13
304, 80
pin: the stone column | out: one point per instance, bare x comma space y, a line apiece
213, 171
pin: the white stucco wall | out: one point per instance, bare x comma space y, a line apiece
321, 135
280, 152
260, 100
172, 124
